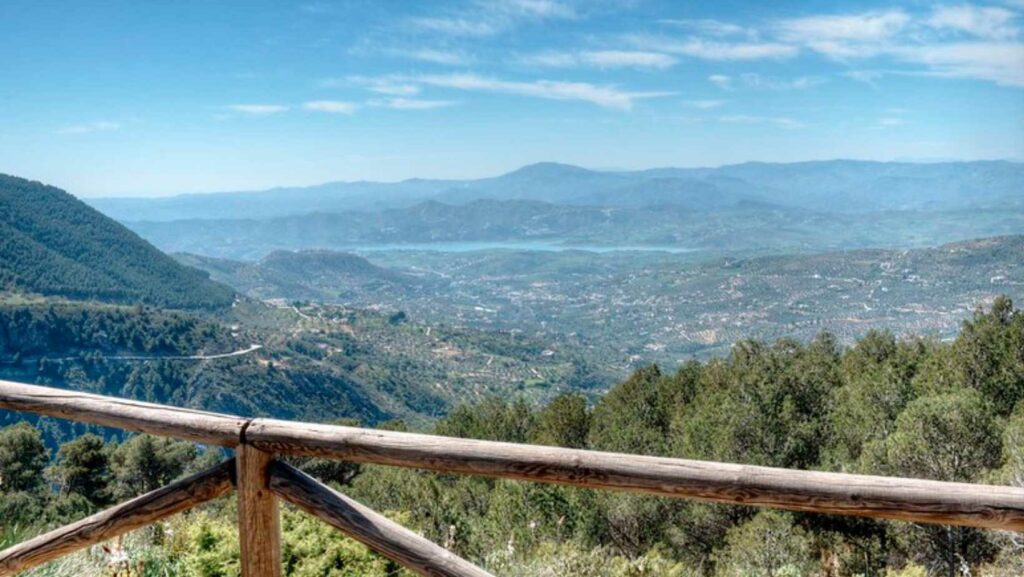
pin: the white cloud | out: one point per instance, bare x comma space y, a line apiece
395, 89
257, 109
780, 121
331, 106
760, 82
1002, 63
711, 27
721, 80
85, 128
533, 8
704, 104
889, 122
867, 26
601, 59
317, 8
411, 103
605, 96
551, 59
989, 22
715, 50
631, 59
993, 53
455, 26
378, 85
446, 57
489, 17
865, 76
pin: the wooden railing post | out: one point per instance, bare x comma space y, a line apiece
259, 521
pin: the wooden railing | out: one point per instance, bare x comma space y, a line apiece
260, 481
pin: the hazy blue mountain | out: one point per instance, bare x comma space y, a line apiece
837, 185
746, 227
283, 201
54, 244
847, 185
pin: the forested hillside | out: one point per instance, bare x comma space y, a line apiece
53, 244
899, 407
294, 361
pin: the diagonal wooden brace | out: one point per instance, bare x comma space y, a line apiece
368, 526
138, 512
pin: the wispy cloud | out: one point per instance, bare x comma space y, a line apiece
723, 81
711, 27
1002, 62
445, 57
986, 41
780, 121
87, 127
601, 59
602, 95
533, 8
331, 106
704, 104
317, 8
257, 109
890, 122
869, 77
713, 49
373, 84
760, 82
455, 26
411, 103
489, 17
991, 22
831, 28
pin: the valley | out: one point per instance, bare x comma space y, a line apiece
88, 305
632, 308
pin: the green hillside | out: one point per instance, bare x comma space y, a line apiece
307, 362
53, 244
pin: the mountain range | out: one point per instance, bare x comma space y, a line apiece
839, 185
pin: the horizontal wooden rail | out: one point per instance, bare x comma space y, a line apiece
198, 426
367, 526
915, 500
119, 519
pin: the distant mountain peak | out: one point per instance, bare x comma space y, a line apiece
547, 170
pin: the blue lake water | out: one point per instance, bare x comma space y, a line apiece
471, 246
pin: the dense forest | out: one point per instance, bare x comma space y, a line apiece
908, 407
306, 362
54, 244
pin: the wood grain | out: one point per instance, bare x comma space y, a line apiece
198, 426
138, 512
915, 500
367, 526
259, 521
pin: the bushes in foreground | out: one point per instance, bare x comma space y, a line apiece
913, 407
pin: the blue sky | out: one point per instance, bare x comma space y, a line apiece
151, 98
